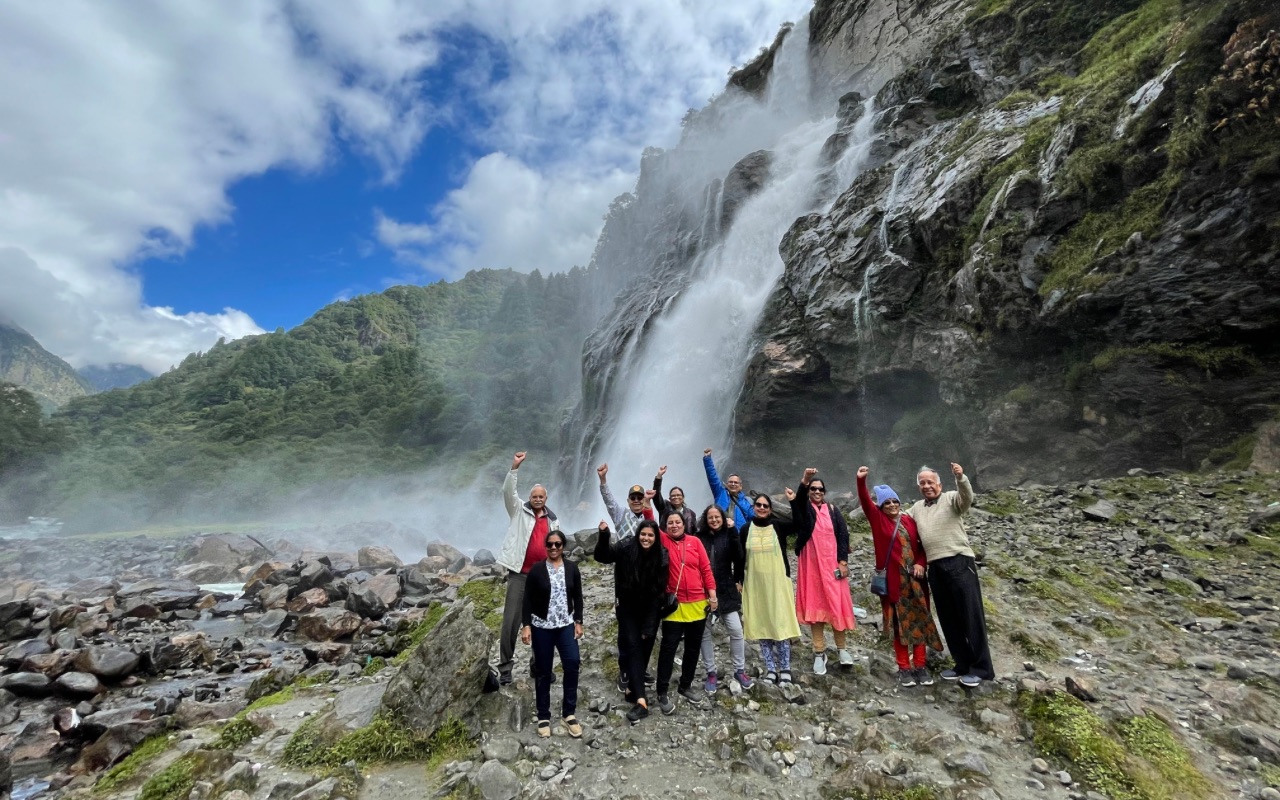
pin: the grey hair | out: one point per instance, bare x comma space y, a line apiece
926, 468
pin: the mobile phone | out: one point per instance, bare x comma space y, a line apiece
837, 573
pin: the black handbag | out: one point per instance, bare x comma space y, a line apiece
670, 601
879, 579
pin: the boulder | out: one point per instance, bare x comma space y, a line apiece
270, 624
26, 684
79, 684
444, 550
273, 597
309, 600
353, 708
445, 674
20, 652
9, 710
1101, 511
204, 572
379, 557
418, 581
328, 624
191, 713
50, 665
227, 550
180, 650
92, 588
107, 662
432, 564
495, 781
328, 652
387, 587
483, 558
314, 574
271, 681
366, 602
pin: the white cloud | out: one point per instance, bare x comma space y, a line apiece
586, 86
122, 125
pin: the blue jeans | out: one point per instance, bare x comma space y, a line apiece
546, 642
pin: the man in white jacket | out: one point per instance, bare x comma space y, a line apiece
522, 547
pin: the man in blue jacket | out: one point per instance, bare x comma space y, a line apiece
728, 494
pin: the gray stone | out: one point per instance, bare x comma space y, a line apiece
353, 708
269, 624
240, 776
322, 790
107, 662
379, 557
328, 624
79, 684
26, 684
444, 676
366, 602
503, 749
1101, 511
483, 558
967, 764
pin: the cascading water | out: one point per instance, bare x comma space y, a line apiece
678, 386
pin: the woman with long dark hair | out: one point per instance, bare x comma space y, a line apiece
720, 540
822, 569
768, 599
552, 616
639, 582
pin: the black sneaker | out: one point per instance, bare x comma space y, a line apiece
906, 678
622, 684
637, 713
696, 700
665, 705
649, 679
505, 679
923, 676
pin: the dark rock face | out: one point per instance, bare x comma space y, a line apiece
107, 662
445, 675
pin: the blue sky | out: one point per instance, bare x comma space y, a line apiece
175, 173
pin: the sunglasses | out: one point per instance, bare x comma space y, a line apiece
894, 502
555, 545
635, 497
818, 489
763, 505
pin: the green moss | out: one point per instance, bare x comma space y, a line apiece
1015, 99
174, 782
1211, 608
278, 698
419, 632
1174, 776
1022, 395
1179, 588
488, 597
1002, 503
1271, 775
1108, 627
1048, 591
1209, 359
381, 741
1033, 646
1234, 456
128, 768
1065, 729
237, 732
374, 666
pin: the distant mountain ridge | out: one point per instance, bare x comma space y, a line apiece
24, 362
105, 377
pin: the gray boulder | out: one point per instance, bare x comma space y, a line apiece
107, 662
495, 781
444, 550
366, 602
444, 676
26, 684
79, 684
1101, 511
377, 557
269, 624
328, 624
483, 558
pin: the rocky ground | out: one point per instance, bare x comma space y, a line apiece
1134, 625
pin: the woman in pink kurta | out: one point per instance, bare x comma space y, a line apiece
822, 569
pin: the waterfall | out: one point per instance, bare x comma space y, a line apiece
676, 387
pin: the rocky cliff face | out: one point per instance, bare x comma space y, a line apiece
1061, 262
25, 363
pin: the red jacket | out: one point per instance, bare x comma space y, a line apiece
698, 582
882, 528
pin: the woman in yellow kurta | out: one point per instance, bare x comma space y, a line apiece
768, 599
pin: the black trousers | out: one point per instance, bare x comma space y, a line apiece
957, 597
634, 650
672, 634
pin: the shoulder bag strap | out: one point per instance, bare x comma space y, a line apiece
893, 537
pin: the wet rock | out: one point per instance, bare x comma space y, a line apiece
379, 557
444, 675
744, 180
366, 602
204, 572
308, 600
269, 624
230, 608
494, 781
274, 597
107, 662
92, 588
26, 684
18, 653
79, 684
328, 624
314, 574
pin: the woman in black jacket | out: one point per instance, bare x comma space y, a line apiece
724, 548
552, 616
639, 583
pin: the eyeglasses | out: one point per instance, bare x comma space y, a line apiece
763, 505
635, 497
555, 545
894, 502
818, 489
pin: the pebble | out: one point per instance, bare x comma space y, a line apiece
1063, 777
1040, 765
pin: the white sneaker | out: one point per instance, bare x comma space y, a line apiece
846, 658
820, 664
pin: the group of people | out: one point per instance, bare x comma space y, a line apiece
676, 572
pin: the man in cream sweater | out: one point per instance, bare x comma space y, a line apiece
953, 574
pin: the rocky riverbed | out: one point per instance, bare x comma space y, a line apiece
1134, 625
